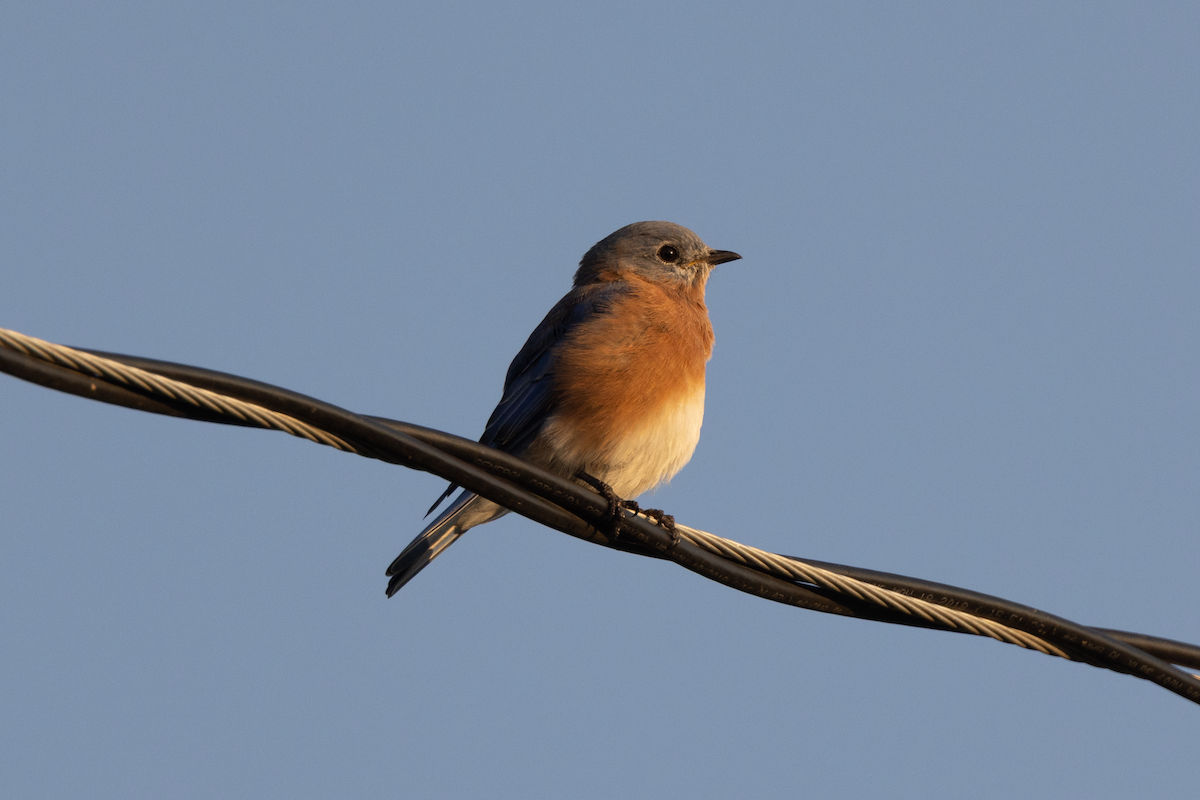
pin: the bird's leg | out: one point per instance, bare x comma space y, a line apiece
615, 503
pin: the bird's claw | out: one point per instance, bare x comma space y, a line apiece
664, 521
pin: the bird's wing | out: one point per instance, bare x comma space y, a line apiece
528, 392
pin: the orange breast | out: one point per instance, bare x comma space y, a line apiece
647, 354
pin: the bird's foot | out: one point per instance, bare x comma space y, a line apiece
616, 505
664, 521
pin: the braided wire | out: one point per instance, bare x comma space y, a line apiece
760, 560
793, 570
147, 382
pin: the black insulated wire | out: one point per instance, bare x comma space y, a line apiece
571, 508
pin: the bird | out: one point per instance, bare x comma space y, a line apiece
609, 387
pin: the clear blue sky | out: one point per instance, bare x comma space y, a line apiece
963, 344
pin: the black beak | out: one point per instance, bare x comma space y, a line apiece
721, 256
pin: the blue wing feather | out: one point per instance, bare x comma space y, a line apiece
528, 397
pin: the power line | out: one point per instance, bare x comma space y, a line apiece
194, 393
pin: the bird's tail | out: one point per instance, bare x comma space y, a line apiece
467, 511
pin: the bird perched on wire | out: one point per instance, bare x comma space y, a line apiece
609, 388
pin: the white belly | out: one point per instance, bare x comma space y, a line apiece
649, 454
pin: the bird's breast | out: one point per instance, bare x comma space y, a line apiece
629, 388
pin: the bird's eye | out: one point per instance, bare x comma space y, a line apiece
668, 254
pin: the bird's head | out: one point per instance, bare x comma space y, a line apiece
658, 251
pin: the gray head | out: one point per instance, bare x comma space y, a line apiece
661, 251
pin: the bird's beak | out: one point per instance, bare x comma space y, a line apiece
721, 256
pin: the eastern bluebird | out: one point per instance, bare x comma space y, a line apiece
609, 388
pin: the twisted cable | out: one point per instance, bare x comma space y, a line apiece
832, 588
760, 560
149, 383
